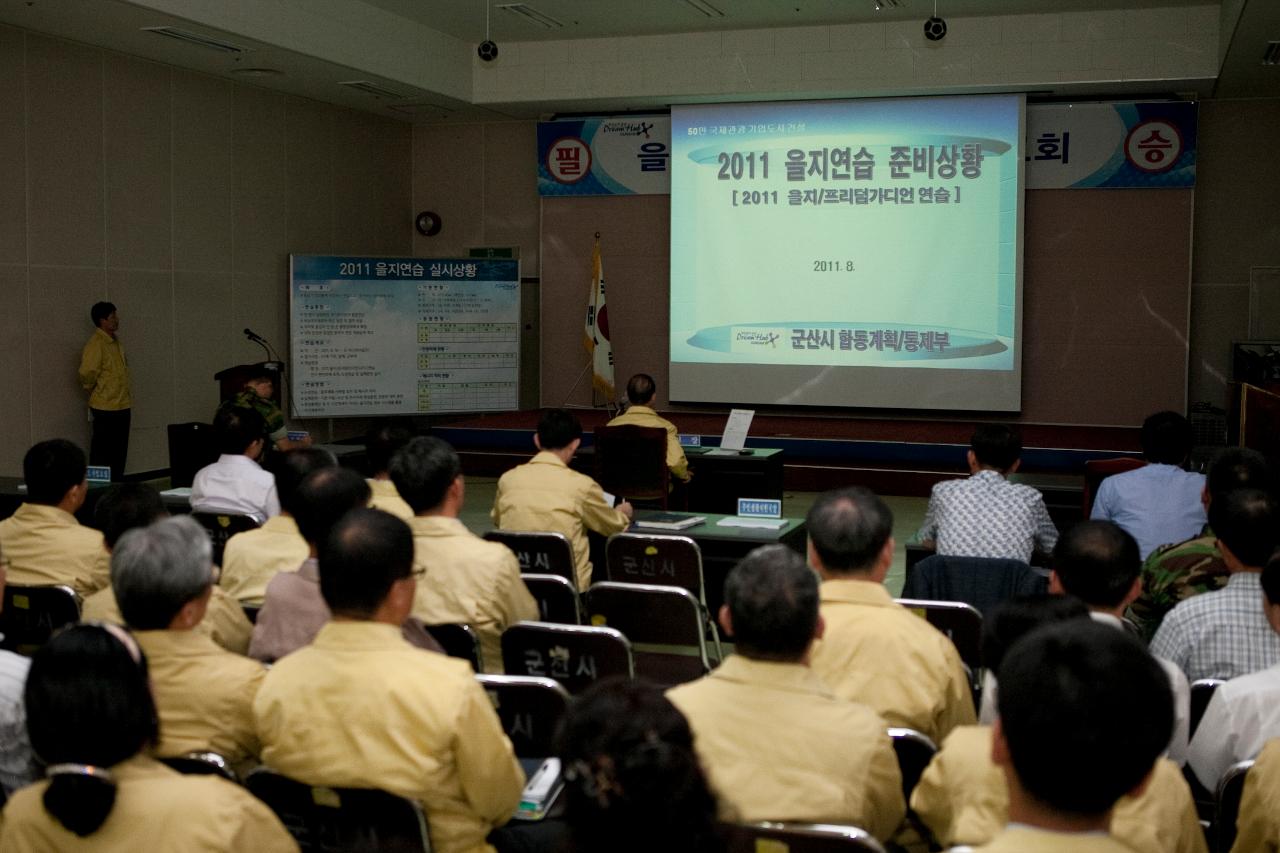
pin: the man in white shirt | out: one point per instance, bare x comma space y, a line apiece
1158, 503
1097, 562
236, 483
1244, 713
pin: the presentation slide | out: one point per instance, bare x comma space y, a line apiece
403, 336
848, 253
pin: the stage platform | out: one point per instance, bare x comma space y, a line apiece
891, 457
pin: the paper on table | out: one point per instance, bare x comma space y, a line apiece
738, 521
735, 429
180, 492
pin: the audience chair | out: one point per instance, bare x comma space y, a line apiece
915, 553
530, 708
798, 838
557, 599
1201, 692
631, 462
665, 625
1097, 470
458, 641
979, 581
914, 751
221, 526
191, 447
574, 655
539, 552
1227, 804
32, 614
962, 623
657, 559
342, 820
202, 764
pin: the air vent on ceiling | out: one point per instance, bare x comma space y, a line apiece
1271, 56
372, 89
208, 42
705, 8
529, 13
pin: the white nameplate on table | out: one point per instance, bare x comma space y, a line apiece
759, 508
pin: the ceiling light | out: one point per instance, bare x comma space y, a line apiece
372, 89
198, 39
705, 8
529, 13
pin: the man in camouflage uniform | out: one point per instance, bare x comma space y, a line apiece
258, 390
1178, 571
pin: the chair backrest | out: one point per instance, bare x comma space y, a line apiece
221, 526
191, 447
202, 764
342, 820
33, 613
797, 838
980, 581
557, 599
664, 624
539, 552
530, 708
914, 751
631, 461
1097, 470
574, 655
1226, 803
959, 621
1201, 692
646, 558
458, 641
914, 554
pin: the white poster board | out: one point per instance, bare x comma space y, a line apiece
403, 336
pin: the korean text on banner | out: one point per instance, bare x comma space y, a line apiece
596, 332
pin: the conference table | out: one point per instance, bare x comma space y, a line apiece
718, 479
722, 547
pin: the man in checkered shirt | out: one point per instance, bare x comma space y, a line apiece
985, 515
1225, 634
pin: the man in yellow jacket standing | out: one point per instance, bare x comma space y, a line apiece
105, 375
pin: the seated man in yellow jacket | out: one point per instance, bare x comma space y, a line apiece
1084, 714
466, 579
775, 741
360, 707
131, 505
874, 650
163, 578
42, 541
963, 797
1258, 825
545, 494
252, 558
641, 389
